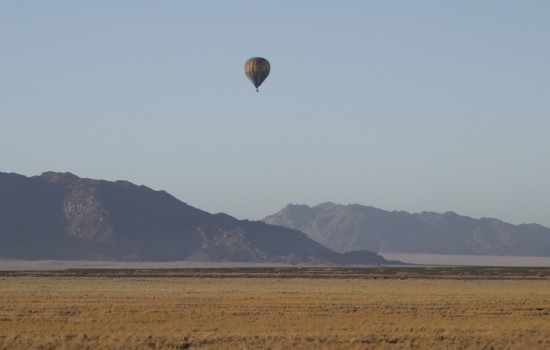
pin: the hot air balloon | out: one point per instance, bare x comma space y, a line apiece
256, 70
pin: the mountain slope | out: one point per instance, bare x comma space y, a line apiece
343, 228
61, 216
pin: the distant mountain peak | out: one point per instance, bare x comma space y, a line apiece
357, 227
58, 177
59, 215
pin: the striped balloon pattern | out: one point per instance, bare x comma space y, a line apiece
256, 70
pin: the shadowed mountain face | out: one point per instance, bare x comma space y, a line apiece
344, 228
61, 216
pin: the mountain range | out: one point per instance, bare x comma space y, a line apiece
64, 217
345, 227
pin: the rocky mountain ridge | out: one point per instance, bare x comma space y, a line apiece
62, 216
341, 227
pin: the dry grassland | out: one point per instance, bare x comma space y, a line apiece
66, 311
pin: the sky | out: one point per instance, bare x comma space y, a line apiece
425, 105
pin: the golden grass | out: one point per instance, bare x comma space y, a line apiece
67, 312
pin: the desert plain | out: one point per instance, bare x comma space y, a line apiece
277, 308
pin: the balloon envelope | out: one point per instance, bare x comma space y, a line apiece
256, 70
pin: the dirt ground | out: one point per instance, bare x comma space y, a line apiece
424, 308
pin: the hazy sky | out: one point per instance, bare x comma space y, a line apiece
402, 105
